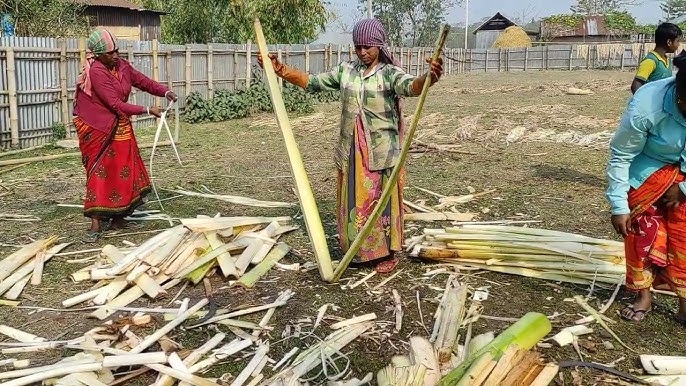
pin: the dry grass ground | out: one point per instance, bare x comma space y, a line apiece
542, 151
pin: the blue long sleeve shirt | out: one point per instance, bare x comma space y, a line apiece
652, 134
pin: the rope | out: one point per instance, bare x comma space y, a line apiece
162, 123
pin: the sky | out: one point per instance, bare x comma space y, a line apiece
647, 11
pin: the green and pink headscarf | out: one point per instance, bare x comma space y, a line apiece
101, 41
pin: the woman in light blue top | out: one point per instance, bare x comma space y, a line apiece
647, 190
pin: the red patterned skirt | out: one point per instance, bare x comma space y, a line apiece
116, 179
656, 250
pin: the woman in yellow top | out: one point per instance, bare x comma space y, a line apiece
655, 65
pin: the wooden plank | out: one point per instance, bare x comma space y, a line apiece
189, 70
486, 62
168, 65
156, 65
307, 58
64, 88
12, 89
279, 56
235, 68
82, 51
571, 58
526, 59
248, 64
210, 72
130, 56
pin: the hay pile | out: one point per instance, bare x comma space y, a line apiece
513, 37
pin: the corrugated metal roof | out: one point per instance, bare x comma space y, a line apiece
590, 26
111, 3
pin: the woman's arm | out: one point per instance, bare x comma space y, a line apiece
327, 81
408, 85
108, 94
142, 82
627, 143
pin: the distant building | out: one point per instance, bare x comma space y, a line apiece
591, 29
124, 19
488, 32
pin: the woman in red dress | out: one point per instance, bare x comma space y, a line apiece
116, 179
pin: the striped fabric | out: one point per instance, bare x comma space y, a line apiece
375, 99
100, 41
370, 32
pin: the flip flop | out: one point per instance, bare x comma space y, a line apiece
387, 266
92, 237
635, 316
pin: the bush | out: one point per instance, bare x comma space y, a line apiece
59, 131
235, 104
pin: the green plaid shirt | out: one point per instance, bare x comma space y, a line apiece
373, 98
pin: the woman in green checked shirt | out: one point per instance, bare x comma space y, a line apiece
370, 138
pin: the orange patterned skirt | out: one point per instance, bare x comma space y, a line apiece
116, 179
656, 250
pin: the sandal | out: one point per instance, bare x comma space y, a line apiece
629, 314
92, 237
387, 266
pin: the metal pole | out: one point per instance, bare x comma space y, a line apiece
466, 24
369, 9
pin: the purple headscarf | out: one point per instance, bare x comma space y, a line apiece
370, 32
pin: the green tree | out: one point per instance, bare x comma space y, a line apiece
411, 22
601, 7
203, 21
46, 18
673, 8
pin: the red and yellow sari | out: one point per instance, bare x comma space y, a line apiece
656, 250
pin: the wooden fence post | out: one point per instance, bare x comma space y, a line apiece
571, 57
64, 92
279, 56
248, 64
338, 54
526, 58
622, 59
351, 51
82, 51
12, 89
168, 64
330, 58
486, 61
189, 70
210, 71
307, 58
235, 68
408, 62
471, 59
130, 57
156, 65
547, 57
500, 59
